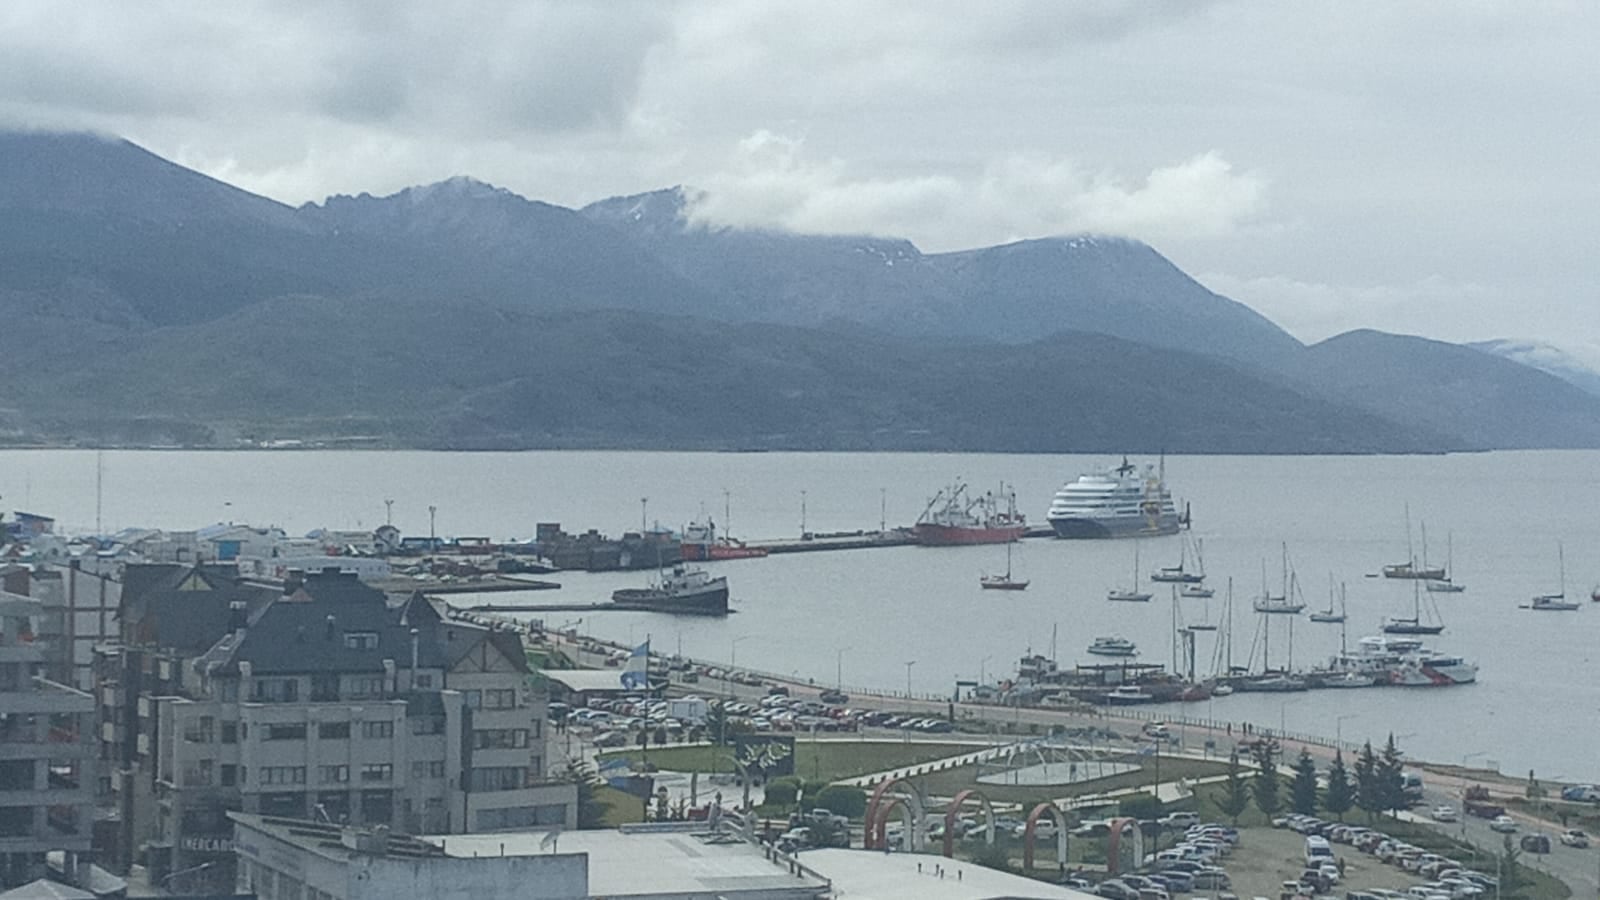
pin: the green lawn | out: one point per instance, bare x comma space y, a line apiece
948, 783
817, 761
621, 809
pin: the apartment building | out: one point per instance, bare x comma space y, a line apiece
47, 752
331, 703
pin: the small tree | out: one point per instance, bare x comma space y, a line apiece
1340, 795
1514, 882
841, 800
1303, 791
1235, 793
1390, 774
1367, 788
1139, 806
1265, 787
993, 856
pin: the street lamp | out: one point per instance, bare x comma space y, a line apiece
1338, 728
432, 510
909, 664
802, 515
388, 512
982, 671
644, 514
838, 669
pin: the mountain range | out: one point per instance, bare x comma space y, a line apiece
144, 303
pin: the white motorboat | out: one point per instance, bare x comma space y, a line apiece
1113, 646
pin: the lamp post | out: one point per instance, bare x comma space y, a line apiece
388, 512
838, 669
644, 514
909, 664
432, 511
802, 515
1338, 728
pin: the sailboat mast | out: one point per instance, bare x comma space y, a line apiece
1229, 635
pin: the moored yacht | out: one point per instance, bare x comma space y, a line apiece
1113, 646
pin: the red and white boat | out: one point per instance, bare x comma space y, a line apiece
952, 517
701, 544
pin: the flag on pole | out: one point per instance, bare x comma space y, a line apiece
636, 673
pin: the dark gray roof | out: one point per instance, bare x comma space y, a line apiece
304, 632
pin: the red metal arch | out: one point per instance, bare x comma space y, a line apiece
1118, 826
955, 807
878, 812
1030, 834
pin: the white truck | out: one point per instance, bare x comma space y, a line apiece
689, 710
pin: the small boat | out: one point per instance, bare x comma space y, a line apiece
1201, 626
1444, 586
1413, 624
1221, 690
1177, 574
1113, 646
1274, 684
1280, 605
1201, 592
1128, 695
1133, 594
1552, 603
1349, 680
1555, 602
1594, 594
1003, 582
1328, 615
1410, 569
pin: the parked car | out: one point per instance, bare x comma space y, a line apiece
1180, 819
1503, 824
1116, 890
1212, 879
1572, 837
1581, 793
1536, 843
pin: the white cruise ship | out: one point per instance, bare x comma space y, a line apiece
1114, 503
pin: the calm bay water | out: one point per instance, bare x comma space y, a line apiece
862, 615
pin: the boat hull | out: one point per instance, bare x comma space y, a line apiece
996, 585
711, 552
1080, 528
710, 601
933, 535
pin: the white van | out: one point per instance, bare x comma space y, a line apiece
1318, 851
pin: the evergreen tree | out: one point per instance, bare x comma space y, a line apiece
1303, 790
1265, 788
1235, 795
1390, 774
1367, 782
1340, 795
1514, 882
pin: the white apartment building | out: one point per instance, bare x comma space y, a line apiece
330, 705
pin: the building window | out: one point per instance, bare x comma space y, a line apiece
283, 775
334, 731
361, 640
377, 730
499, 778
230, 732
230, 775
422, 681
500, 739
286, 731
474, 699
333, 774
427, 725
377, 772
275, 690
434, 769
500, 699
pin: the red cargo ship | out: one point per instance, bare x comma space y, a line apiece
954, 518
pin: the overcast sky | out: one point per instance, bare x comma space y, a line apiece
1427, 168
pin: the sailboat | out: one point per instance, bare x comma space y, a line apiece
1410, 568
1555, 602
1328, 615
1003, 582
1177, 574
1284, 603
1133, 594
1205, 624
1446, 585
1414, 624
